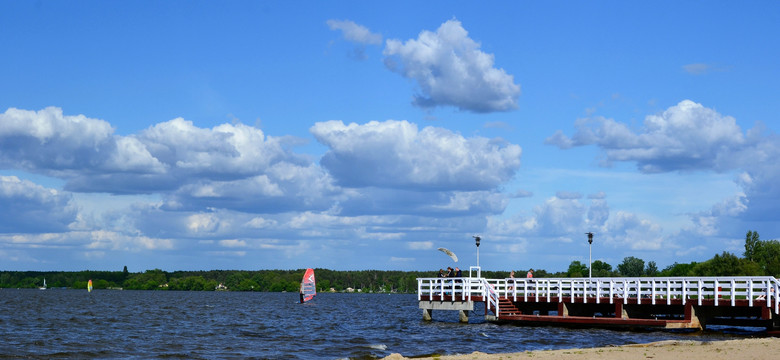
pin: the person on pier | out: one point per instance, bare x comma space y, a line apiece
511, 276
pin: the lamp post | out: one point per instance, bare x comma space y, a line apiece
477, 240
590, 254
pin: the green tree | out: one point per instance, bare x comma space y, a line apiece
631, 267
726, 264
651, 269
752, 241
601, 269
767, 256
577, 269
678, 269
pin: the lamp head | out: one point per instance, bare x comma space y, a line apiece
477, 239
590, 237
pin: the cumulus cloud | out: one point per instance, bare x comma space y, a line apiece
565, 220
687, 136
230, 165
633, 232
451, 70
54, 144
110, 240
27, 207
598, 213
691, 137
283, 187
354, 32
395, 154
559, 216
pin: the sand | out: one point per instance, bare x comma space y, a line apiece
763, 348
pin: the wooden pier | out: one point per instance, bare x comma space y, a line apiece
661, 302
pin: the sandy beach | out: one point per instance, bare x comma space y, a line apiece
763, 348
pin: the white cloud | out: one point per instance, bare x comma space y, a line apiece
690, 137
110, 240
394, 154
451, 70
568, 195
232, 243
90, 158
259, 223
420, 245
598, 195
598, 213
560, 216
354, 32
706, 223
208, 223
54, 144
28, 207
633, 232
685, 137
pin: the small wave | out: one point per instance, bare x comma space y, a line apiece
382, 347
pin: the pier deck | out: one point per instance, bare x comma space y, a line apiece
669, 302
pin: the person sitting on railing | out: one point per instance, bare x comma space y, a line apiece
511, 276
763, 296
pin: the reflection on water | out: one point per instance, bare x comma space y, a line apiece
210, 325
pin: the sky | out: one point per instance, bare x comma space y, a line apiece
247, 135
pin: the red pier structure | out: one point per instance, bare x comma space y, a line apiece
660, 302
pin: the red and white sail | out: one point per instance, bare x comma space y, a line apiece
308, 286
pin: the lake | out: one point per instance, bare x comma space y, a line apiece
219, 325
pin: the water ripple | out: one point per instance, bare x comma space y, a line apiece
108, 324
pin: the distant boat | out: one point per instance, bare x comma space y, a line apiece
44, 285
308, 287
89, 285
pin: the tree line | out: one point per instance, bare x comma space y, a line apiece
761, 258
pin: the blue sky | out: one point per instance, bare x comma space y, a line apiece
262, 135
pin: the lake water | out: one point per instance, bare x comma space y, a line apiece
218, 325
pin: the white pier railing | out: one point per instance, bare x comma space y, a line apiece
461, 289
724, 291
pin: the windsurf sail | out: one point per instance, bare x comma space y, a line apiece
308, 286
89, 285
450, 254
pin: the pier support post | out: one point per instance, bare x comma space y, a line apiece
620, 312
692, 317
463, 316
427, 314
563, 310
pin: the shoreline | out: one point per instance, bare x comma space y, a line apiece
749, 348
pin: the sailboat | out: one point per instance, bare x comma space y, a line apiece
308, 287
44, 285
89, 285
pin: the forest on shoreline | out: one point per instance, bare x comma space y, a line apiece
761, 258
